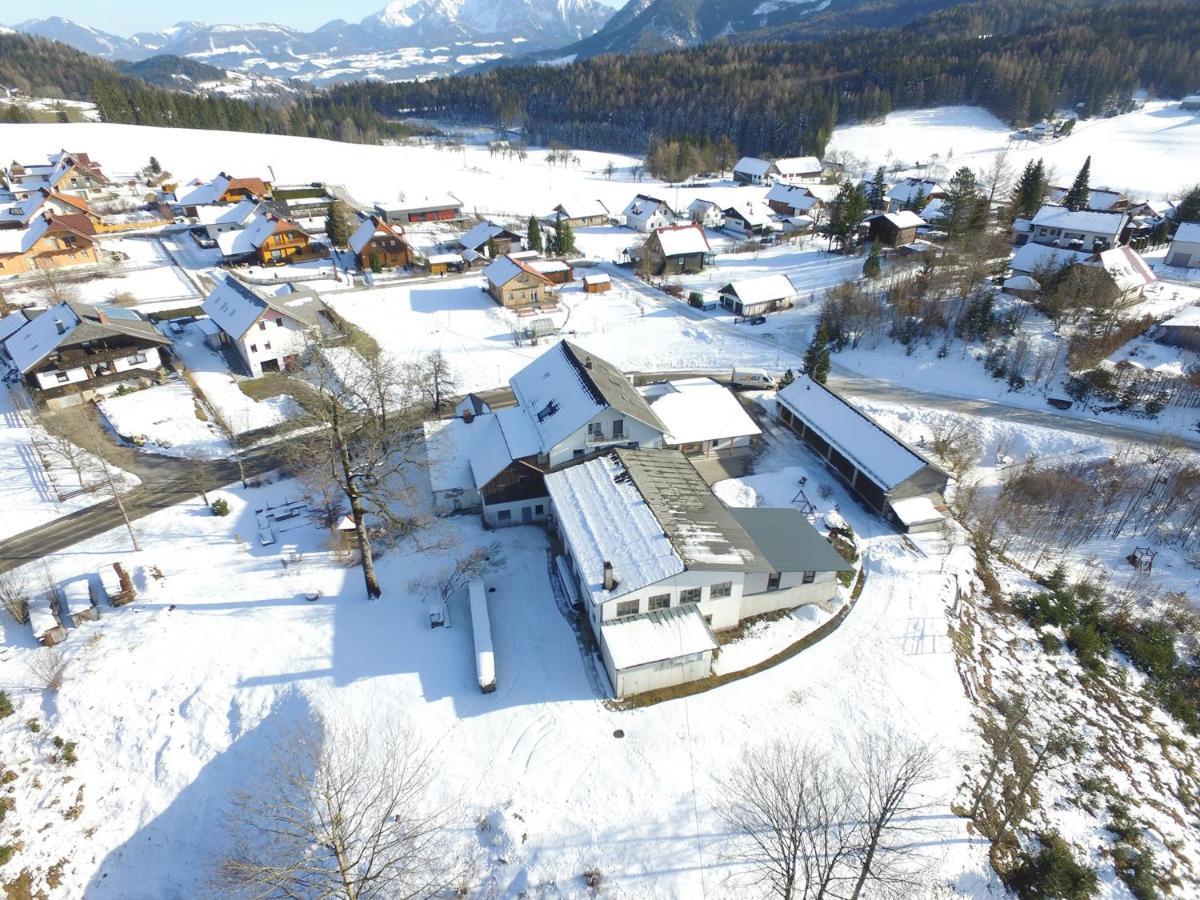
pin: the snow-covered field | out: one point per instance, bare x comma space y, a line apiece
168, 418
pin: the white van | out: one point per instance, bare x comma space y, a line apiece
754, 379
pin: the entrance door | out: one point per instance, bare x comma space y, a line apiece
526, 514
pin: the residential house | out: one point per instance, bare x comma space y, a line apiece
214, 220
1128, 272
269, 240
702, 418
750, 219
1184, 252
756, 296
672, 563
1098, 199
490, 240
380, 244
886, 474
48, 242
597, 284
556, 271
677, 249
647, 214
913, 193
793, 200
706, 214
1057, 226
894, 229
752, 170
269, 333
441, 208
1037, 260
71, 174
514, 283
1183, 329
73, 351
799, 170
579, 214
222, 189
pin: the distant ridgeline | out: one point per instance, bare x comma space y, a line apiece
43, 68
1021, 59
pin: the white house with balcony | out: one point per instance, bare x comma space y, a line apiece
1085, 230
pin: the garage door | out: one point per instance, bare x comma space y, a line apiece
1180, 260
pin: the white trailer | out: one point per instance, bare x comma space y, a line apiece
481, 627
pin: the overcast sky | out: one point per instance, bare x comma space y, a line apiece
124, 17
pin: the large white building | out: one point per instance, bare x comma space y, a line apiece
1057, 226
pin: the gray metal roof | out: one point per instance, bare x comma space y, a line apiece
702, 530
610, 387
788, 542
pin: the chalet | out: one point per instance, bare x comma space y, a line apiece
514, 283
20, 212
673, 563
752, 170
1128, 272
677, 249
1098, 200
556, 271
269, 240
1184, 252
48, 242
380, 244
490, 240
597, 284
222, 189
1057, 226
706, 214
799, 170
792, 200
755, 296
913, 193
885, 473
269, 333
579, 214
702, 418
894, 229
443, 208
647, 214
749, 219
73, 352
1183, 329
71, 174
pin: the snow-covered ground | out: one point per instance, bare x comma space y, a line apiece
168, 418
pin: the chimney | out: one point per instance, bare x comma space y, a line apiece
468, 416
587, 363
609, 581
60, 326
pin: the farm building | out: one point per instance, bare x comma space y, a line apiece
1184, 252
882, 470
702, 418
755, 296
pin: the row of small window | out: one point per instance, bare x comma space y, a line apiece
505, 515
136, 360
262, 323
266, 346
596, 430
663, 601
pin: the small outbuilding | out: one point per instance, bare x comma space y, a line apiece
1184, 252
1182, 329
597, 284
756, 296
894, 229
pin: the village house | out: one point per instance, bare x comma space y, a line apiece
677, 249
792, 200
490, 240
1037, 260
443, 208
48, 242
702, 418
515, 283
886, 474
269, 240
269, 333
556, 271
756, 296
579, 214
749, 220
73, 351
216, 219
222, 189
1184, 252
706, 214
1098, 199
894, 229
379, 244
647, 214
1128, 272
72, 174
799, 170
597, 284
754, 171
1057, 226
673, 564
913, 193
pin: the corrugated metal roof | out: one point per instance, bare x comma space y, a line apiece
788, 541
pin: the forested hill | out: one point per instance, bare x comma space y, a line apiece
1021, 59
43, 68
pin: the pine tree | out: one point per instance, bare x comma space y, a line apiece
155, 168
849, 208
962, 200
877, 192
816, 357
1030, 191
1188, 207
872, 268
1077, 196
338, 223
563, 243
534, 236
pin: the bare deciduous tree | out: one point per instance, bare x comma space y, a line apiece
436, 380
200, 477
448, 582
15, 591
49, 667
343, 812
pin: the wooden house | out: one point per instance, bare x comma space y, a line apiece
379, 244
677, 249
579, 214
48, 242
269, 240
597, 284
894, 229
490, 240
749, 219
515, 283
557, 271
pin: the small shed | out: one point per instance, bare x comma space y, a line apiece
657, 649
481, 629
77, 605
347, 533
895, 228
1184, 252
1183, 329
597, 284
556, 271
441, 263
44, 622
113, 585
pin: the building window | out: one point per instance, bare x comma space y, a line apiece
809, 577
578, 453
254, 348
267, 345
724, 589
659, 601
279, 321
595, 430
690, 595
773, 581
618, 426
627, 608
262, 326
504, 515
708, 619
61, 377
137, 359
540, 509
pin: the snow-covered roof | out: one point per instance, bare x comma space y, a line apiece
1082, 220
762, 289
10, 324
798, 166
700, 206
698, 409
910, 188
602, 278
579, 209
438, 259
755, 214
1126, 268
449, 444
1187, 233
643, 206
370, 227
70, 323
904, 219
505, 269
1098, 199
202, 193
223, 214
547, 266
605, 519
1021, 283
934, 209
753, 166
247, 240
479, 235
506, 435
795, 196
916, 511
657, 636
21, 240
235, 307
679, 240
1031, 258
879, 454
1187, 318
